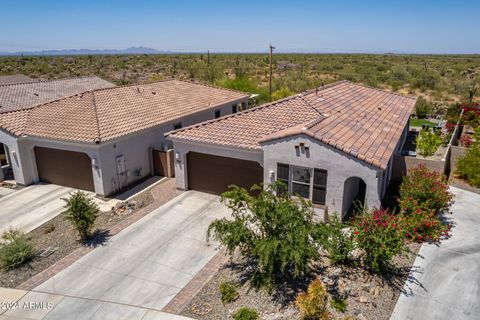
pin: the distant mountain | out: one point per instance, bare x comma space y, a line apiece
67, 52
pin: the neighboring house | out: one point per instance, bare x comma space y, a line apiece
16, 79
332, 145
106, 139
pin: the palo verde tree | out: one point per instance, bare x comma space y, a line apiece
272, 229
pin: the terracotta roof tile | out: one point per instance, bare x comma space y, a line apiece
15, 79
31, 94
106, 114
362, 121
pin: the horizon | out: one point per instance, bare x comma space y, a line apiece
372, 27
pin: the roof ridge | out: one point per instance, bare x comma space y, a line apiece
50, 80
97, 139
382, 90
212, 86
231, 115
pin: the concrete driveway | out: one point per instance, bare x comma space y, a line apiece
140, 269
446, 281
32, 206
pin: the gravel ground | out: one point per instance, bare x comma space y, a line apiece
458, 182
59, 233
368, 296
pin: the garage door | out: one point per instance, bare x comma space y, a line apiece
213, 174
66, 168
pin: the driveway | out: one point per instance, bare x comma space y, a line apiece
32, 206
140, 269
446, 281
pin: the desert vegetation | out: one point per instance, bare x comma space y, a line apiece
440, 79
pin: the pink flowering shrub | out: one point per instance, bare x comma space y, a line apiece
466, 141
428, 188
423, 195
380, 235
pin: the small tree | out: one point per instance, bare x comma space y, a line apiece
81, 212
272, 229
428, 142
423, 108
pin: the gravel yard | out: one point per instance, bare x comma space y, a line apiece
368, 296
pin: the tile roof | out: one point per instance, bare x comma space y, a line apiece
105, 114
361, 121
31, 94
15, 79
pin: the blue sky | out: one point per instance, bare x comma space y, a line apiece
421, 26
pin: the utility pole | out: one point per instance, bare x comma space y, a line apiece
270, 80
208, 58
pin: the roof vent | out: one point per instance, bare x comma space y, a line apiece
153, 92
379, 108
304, 129
35, 94
327, 114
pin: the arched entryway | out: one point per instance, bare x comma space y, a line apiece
354, 189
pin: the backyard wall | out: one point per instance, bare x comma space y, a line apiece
402, 164
456, 152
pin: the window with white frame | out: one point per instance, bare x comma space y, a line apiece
310, 183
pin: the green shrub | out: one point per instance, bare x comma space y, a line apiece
428, 142
468, 165
281, 93
81, 212
336, 240
271, 229
423, 108
379, 234
245, 313
313, 303
17, 249
339, 304
228, 292
428, 188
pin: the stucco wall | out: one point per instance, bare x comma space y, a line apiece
455, 153
339, 168
403, 164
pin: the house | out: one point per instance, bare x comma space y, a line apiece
15, 79
103, 140
332, 145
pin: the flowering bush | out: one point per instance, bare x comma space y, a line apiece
379, 234
428, 188
466, 141
420, 224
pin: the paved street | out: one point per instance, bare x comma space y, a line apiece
447, 278
138, 271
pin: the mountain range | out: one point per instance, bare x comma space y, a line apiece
70, 52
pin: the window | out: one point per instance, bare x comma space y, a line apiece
217, 114
234, 108
177, 126
319, 186
283, 174
301, 180
306, 182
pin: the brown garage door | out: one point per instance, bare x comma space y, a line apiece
66, 168
213, 174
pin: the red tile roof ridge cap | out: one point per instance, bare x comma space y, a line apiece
51, 80
260, 107
98, 138
212, 86
302, 128
383, 90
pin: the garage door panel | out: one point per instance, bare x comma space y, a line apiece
66, 168
213, 174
